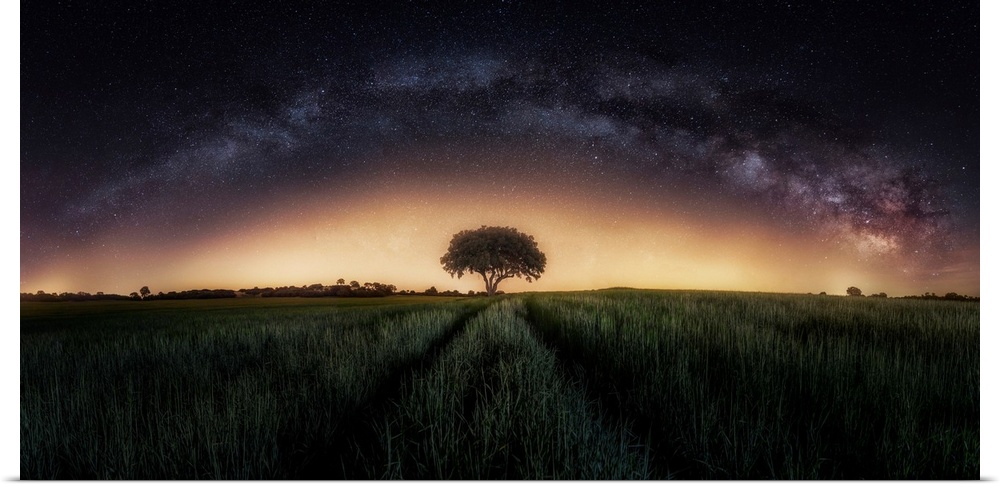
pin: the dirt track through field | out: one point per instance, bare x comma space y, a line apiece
497, 405
611, 399
358, 445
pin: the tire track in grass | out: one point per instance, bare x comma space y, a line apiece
495, 405
350, 455
663, 462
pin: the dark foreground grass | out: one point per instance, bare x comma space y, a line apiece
738, 385
495, 406
613, 385
247, 394
33, 312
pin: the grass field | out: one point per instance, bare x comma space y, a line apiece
614, 384
32, 311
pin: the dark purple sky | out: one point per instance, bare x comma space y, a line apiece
853, 126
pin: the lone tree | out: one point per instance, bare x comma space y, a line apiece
144, 292
853, 291
495, 253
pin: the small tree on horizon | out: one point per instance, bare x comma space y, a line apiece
144, 292
495, 253
853, 291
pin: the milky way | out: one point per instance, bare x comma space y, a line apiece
853, 127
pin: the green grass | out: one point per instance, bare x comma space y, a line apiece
206, 394
739, 385
495, 406
612, 385
35, 311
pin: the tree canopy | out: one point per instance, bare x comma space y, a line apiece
495, 253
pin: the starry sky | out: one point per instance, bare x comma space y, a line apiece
786, 147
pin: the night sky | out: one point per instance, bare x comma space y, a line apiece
794, 146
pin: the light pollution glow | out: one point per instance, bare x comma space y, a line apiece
395, 229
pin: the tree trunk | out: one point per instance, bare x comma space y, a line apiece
491, 285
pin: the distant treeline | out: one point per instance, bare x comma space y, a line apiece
80, 296
373, 289
193, 294
369, 289
84, 296
946, 297
354, 289
932, 296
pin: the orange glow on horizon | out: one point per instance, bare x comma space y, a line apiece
395, 229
